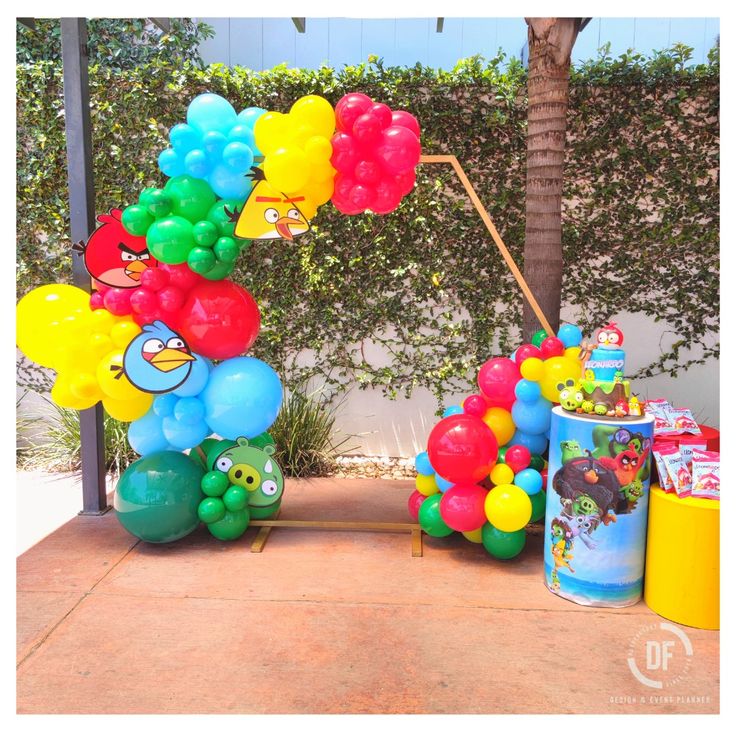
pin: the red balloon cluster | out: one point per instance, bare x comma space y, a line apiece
375, 151
497, 380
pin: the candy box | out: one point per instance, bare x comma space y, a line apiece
706, 475
677, 470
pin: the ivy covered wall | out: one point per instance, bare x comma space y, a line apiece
421, 297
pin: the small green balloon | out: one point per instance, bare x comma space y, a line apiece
502, 454
232, 526
191, 198
538, 337
201, 259
156, 201
537, 463
264, 512
223, 220
235, 498
215, 483
226, 250
502, 545
137, 219
211, 510
430, 519
170, 239
219, 271
539, 505
205, 233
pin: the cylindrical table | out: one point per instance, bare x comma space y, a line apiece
681, 580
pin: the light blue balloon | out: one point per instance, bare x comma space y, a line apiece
170, 163
183, 436
237, 156
443, 484
242, 134
146, 434
184, 138
211, 112
250, 115
529, 480
197, 378
213, 142
422, 464
189, 410
228, 184
571, 335
242, 398
452, 410
197, 164
537, 443
513, 356
527, 390
163, 405
532, 417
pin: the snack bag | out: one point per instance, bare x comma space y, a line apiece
664, 477
682, 420
659, 409
687, 446
679, 474
706, 474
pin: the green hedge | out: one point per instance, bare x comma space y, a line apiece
426, 283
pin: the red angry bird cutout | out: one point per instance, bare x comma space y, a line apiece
113, 256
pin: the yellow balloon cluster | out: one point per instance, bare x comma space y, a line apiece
548, 373
56, 328
297, 150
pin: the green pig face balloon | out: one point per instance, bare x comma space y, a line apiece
254, 469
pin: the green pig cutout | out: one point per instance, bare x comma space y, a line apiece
253, 468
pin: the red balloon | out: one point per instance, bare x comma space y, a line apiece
406, 120
399, 150
143, 300
171, 298
367, 172
96, 300
362, 196
476, 405
462, 507
350, 108
382, 112
387, 197
543, 473
406, 181
154, 278
117, 301
462, 448
415, 501
219, 319
367, 129
344, 152
497, 379
181, 276
343, 185
552, 347
518, 458
527, 351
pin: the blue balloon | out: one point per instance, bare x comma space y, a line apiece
513, 356
243, 134
229, 184
146, 434
211, 112
242, 398
532, 417
571, 335
237, 156
163, 404
452, 410
214, 142
250, 115
529, 480
170, 163
183, 138
422, 464
199, 374
537, 443
443, 484
189, 410
197, 164
527, 390
183, 436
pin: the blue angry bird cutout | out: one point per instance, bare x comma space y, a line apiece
158, 360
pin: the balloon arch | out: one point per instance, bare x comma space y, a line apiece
162, 338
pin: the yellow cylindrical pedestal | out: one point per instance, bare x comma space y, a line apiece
681, 577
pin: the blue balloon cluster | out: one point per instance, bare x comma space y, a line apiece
216, 144
241, 397
532, 414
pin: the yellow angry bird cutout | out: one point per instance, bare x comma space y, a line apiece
269, 214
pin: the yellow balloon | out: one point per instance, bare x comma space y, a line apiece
316, 112
532, 369
129, 409
62, 394
508, 507
100, 320
307, 207
475, 536
286, 169
271, 130
500, 423
318, 192
427, 485
501, 474
572, 353
557, 370
318, 149
84, 387
113, 381
99, 345
322, 173
123, 332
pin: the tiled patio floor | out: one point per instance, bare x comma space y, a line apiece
322, 622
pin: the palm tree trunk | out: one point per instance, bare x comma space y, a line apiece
550, 43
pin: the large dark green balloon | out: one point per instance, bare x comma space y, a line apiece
190, 198
232, 526
156, 498
538, 338
502, 545
137, 219
430, 519
170, 239
537, 463
539, 505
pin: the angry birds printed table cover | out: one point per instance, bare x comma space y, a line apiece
597, 503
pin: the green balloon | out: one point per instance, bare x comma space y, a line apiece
261, 440
223, 221
137, 219
191, 198
502, 454
235, 498
264, 512
156, 201
156, 498
430, 519
538, 337
211, 510
215, 449
226, 249
205, 233
537, 463
539, 505
219, 271
170, 239
214, 483
232, 526
201, 259
502, 545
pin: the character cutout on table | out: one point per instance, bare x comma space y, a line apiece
113, 256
